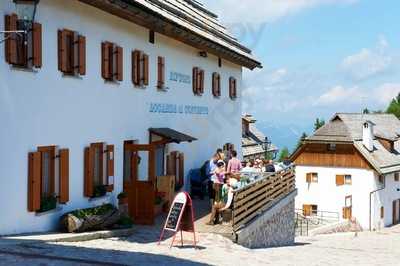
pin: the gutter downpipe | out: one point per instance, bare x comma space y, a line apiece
370, 201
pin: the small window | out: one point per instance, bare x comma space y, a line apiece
111, 61
71, 53
219, 62
46, 186
198, 81
99, 170
396, 177
381, 179
232, 88
22, 49
332, 147
347, 179
310, 210
382, 212
312, 178
151, 36
216, 85
161, 73
140, 68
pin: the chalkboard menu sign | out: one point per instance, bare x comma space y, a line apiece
173, 217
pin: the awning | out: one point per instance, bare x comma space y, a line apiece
171, 135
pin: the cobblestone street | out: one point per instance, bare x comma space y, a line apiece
379, 248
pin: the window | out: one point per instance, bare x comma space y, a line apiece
310, 210
23, 50
382, 212
347, 179
347, 210
312, 178
140, 68
198, 81
111, 62
43, 178
381, 179
99, 170
151, 36
232, 88
396, 177
332, 147
216, 85
161, 73
71, 53
219, 62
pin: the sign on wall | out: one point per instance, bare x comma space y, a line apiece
171, 108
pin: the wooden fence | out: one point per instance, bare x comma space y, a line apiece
253, 199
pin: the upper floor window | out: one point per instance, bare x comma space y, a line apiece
71, 52
43, 178
232, 88
140, 68
198, 81
312, 178
161, 73
216, 84
23, 49
331, 147
99, 170
111, 62
396, 177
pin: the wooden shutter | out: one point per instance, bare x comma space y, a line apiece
62, 51
195, 76
161, 72
64, 175
219, 85
82, 55
234, 88
145, 69
309, 177
136, 67
34, 181
181, 169
214, 84
201, 81
307, 210
105, 61
119, 63
339, 180
13, 40
7, 40
88, 175
37, 45
110, 167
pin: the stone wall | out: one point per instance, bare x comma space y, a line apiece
275, 227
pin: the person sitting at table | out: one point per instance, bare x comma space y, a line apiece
248, 168
223, 204
270, 167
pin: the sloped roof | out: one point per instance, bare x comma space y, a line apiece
251, 142
348, 127
186, 20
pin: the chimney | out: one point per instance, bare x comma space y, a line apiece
368, 135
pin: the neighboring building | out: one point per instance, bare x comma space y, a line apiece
254, 143
351, 166
99, 99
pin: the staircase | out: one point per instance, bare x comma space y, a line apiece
304, 224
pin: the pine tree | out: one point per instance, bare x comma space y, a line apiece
284, 154
394, 107
318, 124
302, 138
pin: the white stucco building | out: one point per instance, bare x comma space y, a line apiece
98, 77
351, 166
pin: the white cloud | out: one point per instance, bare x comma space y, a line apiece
259, 11
368, 62
340, 94
386, 92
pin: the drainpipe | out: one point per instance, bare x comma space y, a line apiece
370, 201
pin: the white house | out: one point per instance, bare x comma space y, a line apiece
103, 96
351, 166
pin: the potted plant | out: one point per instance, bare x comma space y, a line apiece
48, 203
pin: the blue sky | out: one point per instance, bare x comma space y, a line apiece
320, 57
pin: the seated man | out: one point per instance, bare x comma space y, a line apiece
224, 204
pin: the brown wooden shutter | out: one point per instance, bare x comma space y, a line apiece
161, 72
59, 49
64, 175
62, 51
88, 175
110, 166
234, 88
37, 44
214, 84
105, 61
195, 76
34, 181
309, 177
181, 169
339, 180
307, 210
145, 69
13, 40
219, 84
119, 63
7, 40
201, 82
82, 55
136, 67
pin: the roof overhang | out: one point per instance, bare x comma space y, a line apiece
140, 14
171, 135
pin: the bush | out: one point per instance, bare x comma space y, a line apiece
103, 209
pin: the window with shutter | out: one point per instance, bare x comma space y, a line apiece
339, 180
71, 53
42, 178
111, 62
145, 73
119, 63
232, 88
195, 77
99, 170
140, 68
198, 81
161, 73
216, 85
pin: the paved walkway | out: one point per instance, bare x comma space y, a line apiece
381, 248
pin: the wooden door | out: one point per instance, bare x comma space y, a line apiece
141, 186
396, 212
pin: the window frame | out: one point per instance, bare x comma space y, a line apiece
72, 50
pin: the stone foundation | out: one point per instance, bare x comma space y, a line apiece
275, 227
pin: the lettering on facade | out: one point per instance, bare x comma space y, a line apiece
179, 77
168, 108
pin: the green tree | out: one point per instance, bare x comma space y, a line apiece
284, 154
302, 138
366, 111
318, 124
394, 107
